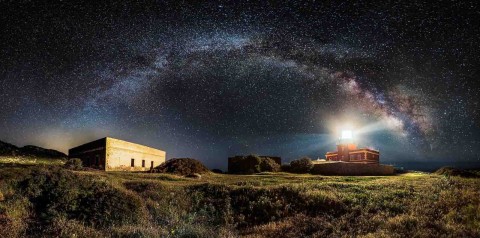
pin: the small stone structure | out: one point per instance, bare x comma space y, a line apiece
117, 155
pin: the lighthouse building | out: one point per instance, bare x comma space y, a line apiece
349, 152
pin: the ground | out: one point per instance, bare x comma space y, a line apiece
45, 200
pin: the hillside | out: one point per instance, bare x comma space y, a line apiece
7, 149
54, 202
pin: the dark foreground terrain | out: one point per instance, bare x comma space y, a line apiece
44, 200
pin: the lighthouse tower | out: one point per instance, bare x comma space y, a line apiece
345, 145
347, 151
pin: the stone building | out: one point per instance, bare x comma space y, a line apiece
117, 155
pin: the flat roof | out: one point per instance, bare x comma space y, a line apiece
107, 137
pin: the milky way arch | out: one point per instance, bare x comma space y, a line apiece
225, 77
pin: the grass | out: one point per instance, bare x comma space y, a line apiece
50, 201
26, 160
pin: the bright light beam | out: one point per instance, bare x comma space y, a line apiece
347, 134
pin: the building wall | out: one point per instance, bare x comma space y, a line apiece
345, 154
92, 154
331, 157
365, 157
119, 155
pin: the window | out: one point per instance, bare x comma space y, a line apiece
132, 163
151, 164
143, 163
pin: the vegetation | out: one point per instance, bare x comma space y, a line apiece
285, 167
182, 166
303, 165
252, 164
449, 171
217, 171
28, 160
29, 155
269, 165
54, 202
73, 164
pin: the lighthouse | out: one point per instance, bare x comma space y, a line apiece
347, 151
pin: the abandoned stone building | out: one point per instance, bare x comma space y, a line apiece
117, 155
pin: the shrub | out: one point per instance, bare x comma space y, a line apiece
73, 164
58, 193
217, 171
244, 164
247, 206
285, 168
303, 165
251, 164
105, 206
449, 171
269, 165
182, 166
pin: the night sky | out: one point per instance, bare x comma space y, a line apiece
216, 79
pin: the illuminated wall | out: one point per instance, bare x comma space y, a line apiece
120, 154
117, 155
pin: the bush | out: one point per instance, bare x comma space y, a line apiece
58, 193
269, 165
252, 164
244, 164
106, 206
247, 206
182, 166
217, 171
303, 165
285, 168
449, 171
73, 164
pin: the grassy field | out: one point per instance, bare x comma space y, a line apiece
50, 201
23, 160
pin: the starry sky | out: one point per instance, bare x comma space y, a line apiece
209, 80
